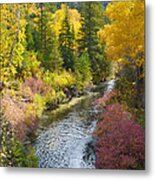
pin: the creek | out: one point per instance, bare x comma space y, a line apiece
65, 137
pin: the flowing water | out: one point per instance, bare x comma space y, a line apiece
66, 140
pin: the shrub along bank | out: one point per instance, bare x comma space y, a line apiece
120, 136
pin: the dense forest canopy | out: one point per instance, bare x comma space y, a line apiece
48, 33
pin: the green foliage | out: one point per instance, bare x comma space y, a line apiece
127, 91
83, 71
41, 37
53, 59
92, 21
39, 104
128, 96
12, 152
31, 66
66, 40
58, 81
29, 36
53, 101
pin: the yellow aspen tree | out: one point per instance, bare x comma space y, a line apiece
124, 36
124, 39
12, 41
58, 17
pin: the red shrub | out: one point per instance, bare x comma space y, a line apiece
120, 143
122, 148
15, 112
36, 86
101, 102
112, 115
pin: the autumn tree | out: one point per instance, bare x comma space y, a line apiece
124, 38
58, 17
12, 41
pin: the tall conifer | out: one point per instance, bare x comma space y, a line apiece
92, 20
66, 40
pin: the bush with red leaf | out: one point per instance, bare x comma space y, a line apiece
112, 115
122, 148
101, 102
36, 86
120, 140
22, 121
23, 107
15, 115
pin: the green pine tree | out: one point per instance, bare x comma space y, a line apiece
29, 36
83, 71
53, 58
66, 41
92, 20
